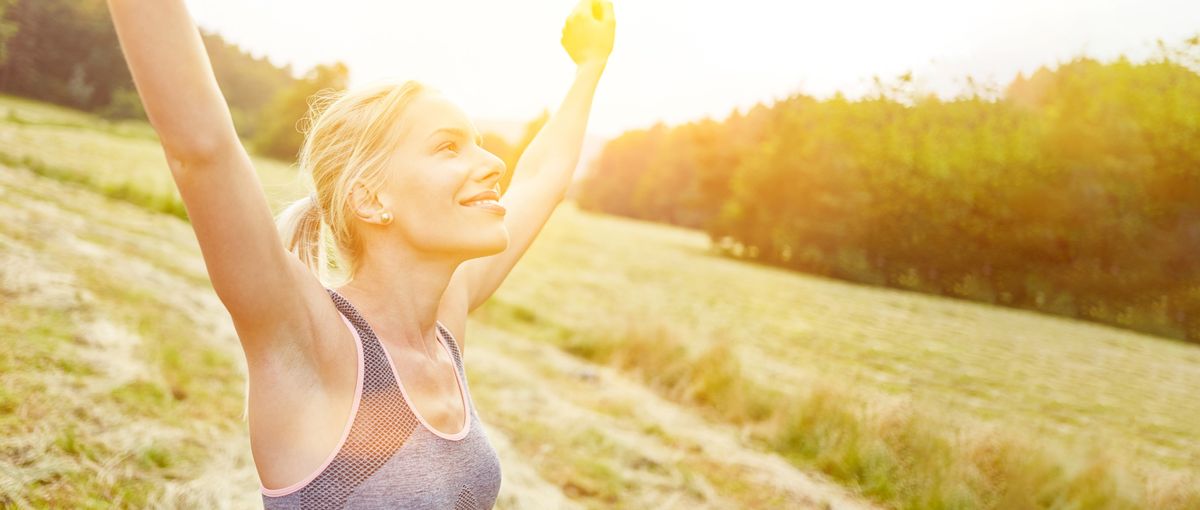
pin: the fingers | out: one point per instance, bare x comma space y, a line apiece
598, 10
581, 8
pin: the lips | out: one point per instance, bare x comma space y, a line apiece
484, 195
488, 200
492, 207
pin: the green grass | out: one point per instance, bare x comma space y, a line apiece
121, 160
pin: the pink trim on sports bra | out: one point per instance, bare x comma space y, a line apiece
345, 432
462, 392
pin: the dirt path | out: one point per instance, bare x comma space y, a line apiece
668, 456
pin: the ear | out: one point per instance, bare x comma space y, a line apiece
364, 203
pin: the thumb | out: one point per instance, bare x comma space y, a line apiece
581, 8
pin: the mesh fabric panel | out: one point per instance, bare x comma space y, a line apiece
381, 427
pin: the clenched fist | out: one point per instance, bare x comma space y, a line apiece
588, 32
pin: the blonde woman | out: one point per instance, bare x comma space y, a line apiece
357, 395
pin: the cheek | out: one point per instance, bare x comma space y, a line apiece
434, 202
434, 187
429, 193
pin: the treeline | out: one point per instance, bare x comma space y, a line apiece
66, 52
1075, 191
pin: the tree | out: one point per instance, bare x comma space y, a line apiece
7, 29
1076, 191
278, 135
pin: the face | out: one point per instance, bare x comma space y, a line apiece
438, 165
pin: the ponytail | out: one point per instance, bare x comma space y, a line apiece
299, 227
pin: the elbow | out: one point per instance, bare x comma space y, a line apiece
197, 140
197, 151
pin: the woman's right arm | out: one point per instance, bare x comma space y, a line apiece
257, 280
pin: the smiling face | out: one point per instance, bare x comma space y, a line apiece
437, 165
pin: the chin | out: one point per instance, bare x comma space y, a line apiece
496, 246
501, 246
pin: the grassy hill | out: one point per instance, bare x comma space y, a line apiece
621, 365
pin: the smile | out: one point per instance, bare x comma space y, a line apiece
489, 205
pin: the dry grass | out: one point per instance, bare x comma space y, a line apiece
894, 450
118, 386
122, 388
610, 442
122, 382
916, 401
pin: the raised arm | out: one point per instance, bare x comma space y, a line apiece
545, 169
173, 77
254, 276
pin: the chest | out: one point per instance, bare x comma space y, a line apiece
432, 388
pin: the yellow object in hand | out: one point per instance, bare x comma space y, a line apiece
589, 31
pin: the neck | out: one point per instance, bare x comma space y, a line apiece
399, 294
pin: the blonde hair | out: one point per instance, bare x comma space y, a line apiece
348, 138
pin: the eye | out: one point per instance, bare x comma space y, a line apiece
450, 144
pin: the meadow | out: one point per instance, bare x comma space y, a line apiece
623, 364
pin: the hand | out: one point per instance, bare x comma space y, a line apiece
589, 30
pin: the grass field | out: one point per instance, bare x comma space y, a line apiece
621, 365
117, 159
1107, 412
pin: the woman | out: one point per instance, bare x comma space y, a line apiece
357, 395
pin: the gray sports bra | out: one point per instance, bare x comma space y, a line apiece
389, 456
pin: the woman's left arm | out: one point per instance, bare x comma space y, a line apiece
545, 168
550, 159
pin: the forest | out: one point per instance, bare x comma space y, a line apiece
1074, 191
66, 52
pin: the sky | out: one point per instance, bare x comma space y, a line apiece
676, 61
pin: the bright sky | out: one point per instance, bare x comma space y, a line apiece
681, 60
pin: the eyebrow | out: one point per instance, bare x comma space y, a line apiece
458, 132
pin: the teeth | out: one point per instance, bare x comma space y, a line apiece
483, 202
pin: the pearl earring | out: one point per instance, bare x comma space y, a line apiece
386, 217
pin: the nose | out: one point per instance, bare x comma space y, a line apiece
494, 168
